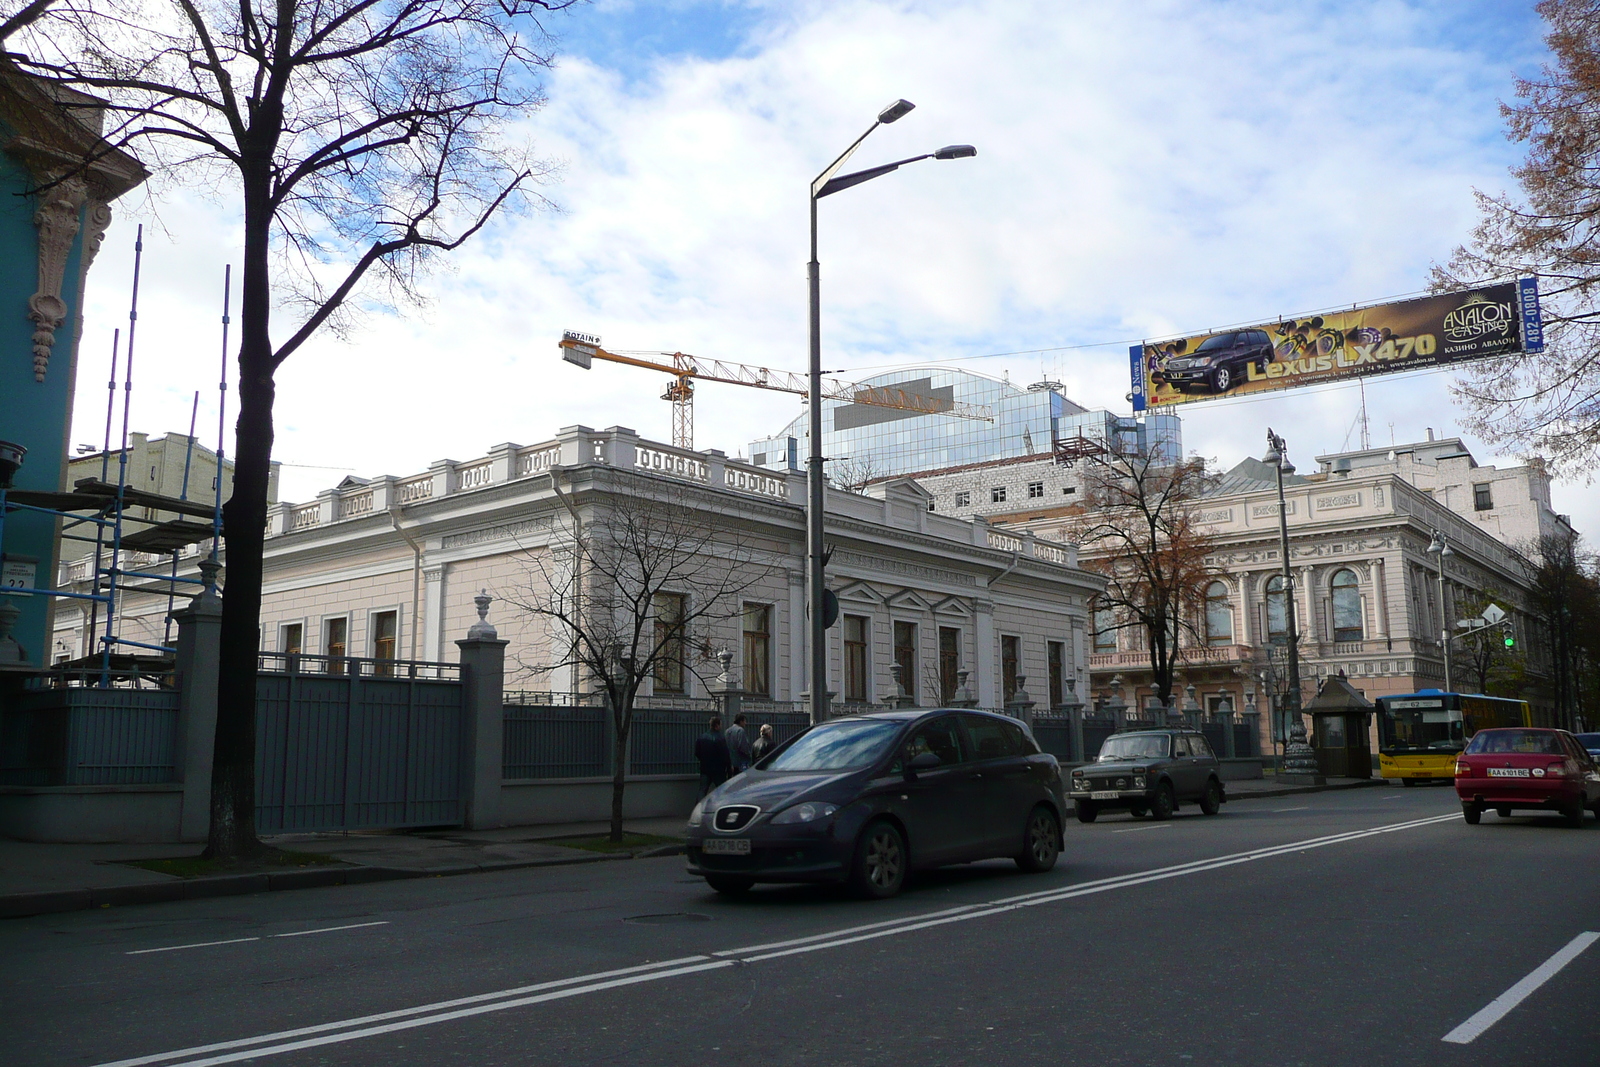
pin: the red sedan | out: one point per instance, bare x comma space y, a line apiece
1527, 767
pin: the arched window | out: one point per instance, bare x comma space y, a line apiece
1346, 606
1105, 630
1277, 612
1219, 615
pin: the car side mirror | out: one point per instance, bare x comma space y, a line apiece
925, 761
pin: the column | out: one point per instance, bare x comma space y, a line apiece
1245, 625
985, 653
199, 643
1310, 630
483, 660
795, 680
432, 619
1380, 599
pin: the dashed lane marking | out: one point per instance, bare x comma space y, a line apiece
1501, 1006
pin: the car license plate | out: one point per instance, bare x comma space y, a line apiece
1508, 772
726, 846
1104, 794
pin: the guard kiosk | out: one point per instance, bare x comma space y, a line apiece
1340, 722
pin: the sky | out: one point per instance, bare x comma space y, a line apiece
1145, 169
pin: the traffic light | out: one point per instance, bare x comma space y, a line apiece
1511, 641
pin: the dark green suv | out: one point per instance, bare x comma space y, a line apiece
1149, 772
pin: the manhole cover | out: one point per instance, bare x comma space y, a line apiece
666, 918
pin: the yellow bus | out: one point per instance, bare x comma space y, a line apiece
1420, 733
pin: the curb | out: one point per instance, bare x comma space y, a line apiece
22, 905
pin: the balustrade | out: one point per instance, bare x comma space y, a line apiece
759, 484
414, 490
538, 460
351, 506
474, 477
670, 463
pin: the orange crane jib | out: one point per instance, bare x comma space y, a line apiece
685, 368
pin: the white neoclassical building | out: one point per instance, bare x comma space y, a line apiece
387, 568
1367, 588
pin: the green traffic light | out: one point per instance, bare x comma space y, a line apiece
1511, 642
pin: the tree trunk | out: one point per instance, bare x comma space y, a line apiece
233, 824
623, 721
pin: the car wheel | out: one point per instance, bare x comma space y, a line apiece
1211, 801
880, 865
1164, 803
1504, 813
1041, 843
1472, 813
1138, 811
1222, 380
1086, 810
731, 885
1574, 816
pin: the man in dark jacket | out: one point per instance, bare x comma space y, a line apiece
712, 753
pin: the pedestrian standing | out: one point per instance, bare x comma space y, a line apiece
766, 741
739, 749
711, 750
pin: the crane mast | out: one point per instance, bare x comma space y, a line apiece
582, 349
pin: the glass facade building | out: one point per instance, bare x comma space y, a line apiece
882, 442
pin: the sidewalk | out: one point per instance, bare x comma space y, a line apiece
36, 879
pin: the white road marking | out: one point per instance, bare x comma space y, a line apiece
197, 944
331, 929
1303, 807
1136, 829
1501, 1006
446, 1011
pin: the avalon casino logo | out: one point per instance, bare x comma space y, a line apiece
1479, 318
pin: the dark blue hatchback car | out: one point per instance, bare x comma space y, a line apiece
868, 798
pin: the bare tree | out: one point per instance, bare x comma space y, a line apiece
854, 473
1141, 530
1565, 602
1547, 404
632, 594
360, 140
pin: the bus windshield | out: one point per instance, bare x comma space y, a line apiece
1420, 730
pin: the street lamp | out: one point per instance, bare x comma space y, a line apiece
1440, 546
826, 184
1298, 757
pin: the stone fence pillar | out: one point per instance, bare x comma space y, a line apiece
199, 647
1021, 704
483, 669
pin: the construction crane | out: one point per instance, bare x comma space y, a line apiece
583, 349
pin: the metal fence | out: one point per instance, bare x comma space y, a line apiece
90, 736
567, 741
357, 744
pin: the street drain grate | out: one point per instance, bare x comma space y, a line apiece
666, 918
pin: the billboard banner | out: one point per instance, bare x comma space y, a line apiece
1430, 331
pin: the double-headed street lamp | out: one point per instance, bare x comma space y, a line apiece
1298, 757
826, 184
1440, 546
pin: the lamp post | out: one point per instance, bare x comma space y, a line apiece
1298, 758
1440, 546
826, 184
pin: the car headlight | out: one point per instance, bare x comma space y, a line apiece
1080, 783
697, 812
807, 812
1138, 783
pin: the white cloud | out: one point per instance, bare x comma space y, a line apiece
1144, 168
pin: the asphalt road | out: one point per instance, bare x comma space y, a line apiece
1333, 928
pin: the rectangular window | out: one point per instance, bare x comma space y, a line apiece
905, 654
290, 637
1056, 653
335, 631
997, 495
963, 500
385, 628
1010, 658
1068, 491
1035, 490
670, 612
949, 662
758, 649
856, 630
1105, 630
1482, 498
